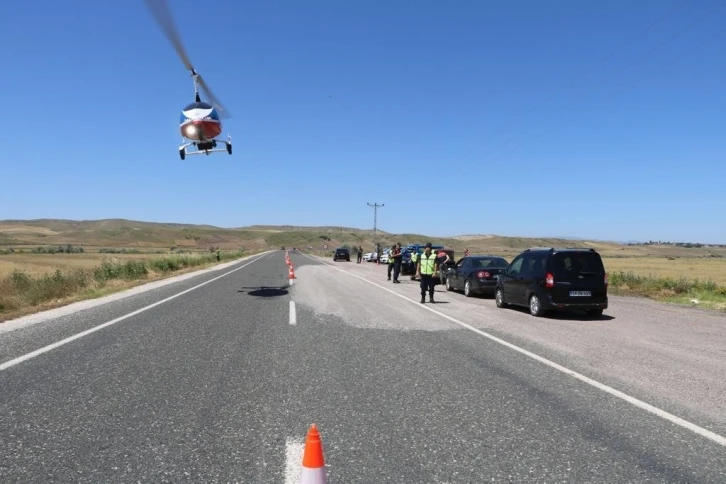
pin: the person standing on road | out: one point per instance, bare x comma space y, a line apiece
390, 260
414, 261
426, 268
397, 257
360, 254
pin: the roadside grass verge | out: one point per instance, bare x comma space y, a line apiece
24, 293
692, 292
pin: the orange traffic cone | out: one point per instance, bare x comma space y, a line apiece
313, 465
291, 273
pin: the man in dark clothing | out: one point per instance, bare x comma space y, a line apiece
360, 254
397, 258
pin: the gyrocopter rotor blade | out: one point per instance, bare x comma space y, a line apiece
162, 14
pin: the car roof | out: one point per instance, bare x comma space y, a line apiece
562, 249
482, 256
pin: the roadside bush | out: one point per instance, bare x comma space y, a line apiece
20, 289
650, 285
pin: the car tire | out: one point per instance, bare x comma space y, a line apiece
499, 298
535, 306
448, 285
467, 289
595, 313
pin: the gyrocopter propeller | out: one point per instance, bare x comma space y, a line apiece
200, 122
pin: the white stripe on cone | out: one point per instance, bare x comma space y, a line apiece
312, 476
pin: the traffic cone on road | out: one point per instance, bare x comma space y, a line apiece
313, 465
291, 273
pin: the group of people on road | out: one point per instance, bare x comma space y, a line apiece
426, 266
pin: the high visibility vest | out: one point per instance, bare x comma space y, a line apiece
414, 257
427, 263
390, 256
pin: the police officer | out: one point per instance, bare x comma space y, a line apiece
397, 256
390, 260
426, 268
414, 260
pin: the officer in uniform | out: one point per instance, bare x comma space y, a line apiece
397, 255
426, 268
414, 260
390, 260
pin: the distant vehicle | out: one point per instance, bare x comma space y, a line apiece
548, 279
475, 274
341, 253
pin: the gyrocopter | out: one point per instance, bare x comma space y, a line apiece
200, 122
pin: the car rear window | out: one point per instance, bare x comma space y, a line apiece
568, 264
493, 262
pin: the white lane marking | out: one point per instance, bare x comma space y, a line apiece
45, 349
293, 315
719, 439
294, 449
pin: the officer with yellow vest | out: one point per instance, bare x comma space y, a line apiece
426, 267
390, 260
414, 260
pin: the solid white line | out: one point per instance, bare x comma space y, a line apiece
719, 439
45, 349
293, 315
294, 449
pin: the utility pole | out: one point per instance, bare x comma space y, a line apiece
375, 219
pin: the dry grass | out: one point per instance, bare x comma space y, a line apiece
34, 282
40, 264
703, 269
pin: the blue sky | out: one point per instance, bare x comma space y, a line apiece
530, 118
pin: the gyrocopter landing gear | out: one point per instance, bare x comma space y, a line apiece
205, 147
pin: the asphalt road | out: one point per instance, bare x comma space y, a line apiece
220, 384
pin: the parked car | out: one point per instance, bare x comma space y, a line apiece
475, 274
548, 279
341, 253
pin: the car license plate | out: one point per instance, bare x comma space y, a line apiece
580, 294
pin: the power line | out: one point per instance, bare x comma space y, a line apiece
375, 206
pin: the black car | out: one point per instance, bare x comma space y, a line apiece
555, 279
342, 254
475, 274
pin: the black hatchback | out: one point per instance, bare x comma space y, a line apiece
341, 254
554, 279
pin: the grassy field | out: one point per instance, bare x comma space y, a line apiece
31, 282
48, 263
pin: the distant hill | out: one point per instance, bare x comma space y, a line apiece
121, 233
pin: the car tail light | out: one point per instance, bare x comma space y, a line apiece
549, 280
483, 275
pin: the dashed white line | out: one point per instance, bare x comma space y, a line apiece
45, 349
293, 314
719, 439
294, 449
